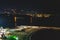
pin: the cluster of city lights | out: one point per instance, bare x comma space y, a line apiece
40, 15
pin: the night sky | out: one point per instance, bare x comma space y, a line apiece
29, 4
32, 5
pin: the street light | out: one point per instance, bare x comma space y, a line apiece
15, 20
46, 15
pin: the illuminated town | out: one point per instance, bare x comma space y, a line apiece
24, 23
29, 20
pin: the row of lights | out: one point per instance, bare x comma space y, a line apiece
40, 15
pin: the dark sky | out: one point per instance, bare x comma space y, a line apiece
29, 4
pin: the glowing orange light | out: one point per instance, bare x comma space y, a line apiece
46, 15
15, 19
